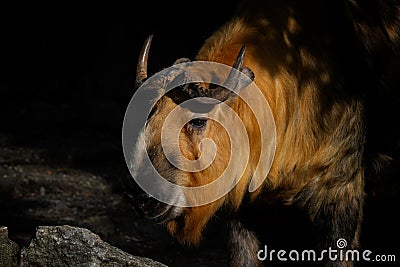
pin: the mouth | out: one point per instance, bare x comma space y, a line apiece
154, 210
168, 214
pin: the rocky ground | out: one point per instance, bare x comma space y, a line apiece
66, 246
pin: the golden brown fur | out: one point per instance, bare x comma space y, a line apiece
309, 62
314, 136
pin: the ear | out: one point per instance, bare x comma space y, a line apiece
238, 83
181, 60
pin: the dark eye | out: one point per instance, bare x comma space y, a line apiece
198, 123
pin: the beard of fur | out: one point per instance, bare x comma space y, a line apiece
189, 228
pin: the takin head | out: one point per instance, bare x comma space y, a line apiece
186, 138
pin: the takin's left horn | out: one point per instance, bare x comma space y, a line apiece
234, 80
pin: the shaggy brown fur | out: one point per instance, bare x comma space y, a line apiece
310, 60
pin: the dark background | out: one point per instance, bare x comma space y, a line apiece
70, 67
67, 76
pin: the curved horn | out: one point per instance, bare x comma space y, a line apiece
141, 69
233, 78
239, 59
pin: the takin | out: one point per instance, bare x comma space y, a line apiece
312, 62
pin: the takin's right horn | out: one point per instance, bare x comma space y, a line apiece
141, 69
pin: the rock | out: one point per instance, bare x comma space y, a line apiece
73, 246
8, 249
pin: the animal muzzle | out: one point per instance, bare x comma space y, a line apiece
149, 207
